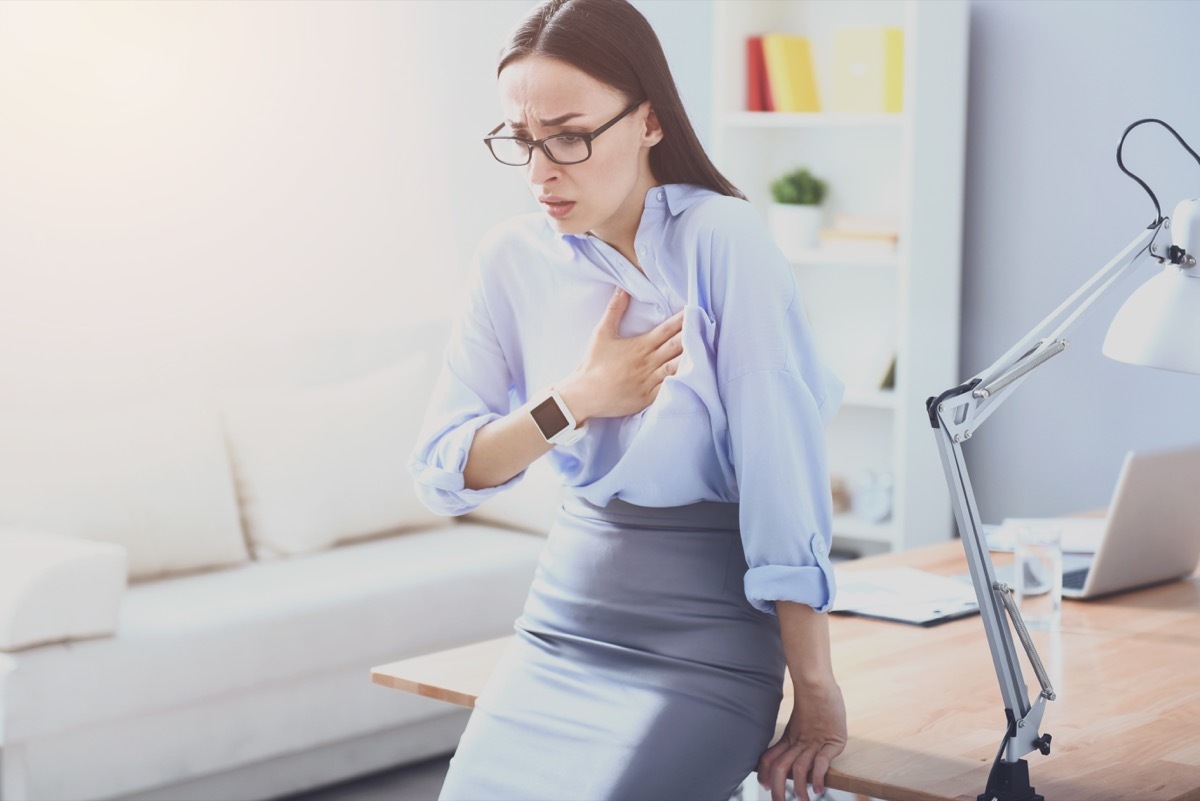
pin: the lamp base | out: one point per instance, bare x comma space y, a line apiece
1009, 781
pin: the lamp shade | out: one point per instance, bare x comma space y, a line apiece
1159, 325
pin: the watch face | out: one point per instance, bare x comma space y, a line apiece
549, 418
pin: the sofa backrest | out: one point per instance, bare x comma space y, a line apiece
153, 477
320, 439
246, 437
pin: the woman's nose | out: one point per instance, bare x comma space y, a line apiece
541, 168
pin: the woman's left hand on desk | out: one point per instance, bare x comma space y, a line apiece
815, 734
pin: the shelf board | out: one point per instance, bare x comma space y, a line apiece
873, 399
844, 257
815, 119
848, 525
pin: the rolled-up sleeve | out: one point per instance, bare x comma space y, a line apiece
472, 390
778, 397
778, 452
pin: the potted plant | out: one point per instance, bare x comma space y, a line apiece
795, 216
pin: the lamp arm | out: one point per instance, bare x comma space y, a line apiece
955, 414
990, 387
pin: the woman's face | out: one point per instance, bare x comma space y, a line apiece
609, 189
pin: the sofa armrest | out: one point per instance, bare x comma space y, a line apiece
55, 588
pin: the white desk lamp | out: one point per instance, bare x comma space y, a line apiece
1158, 326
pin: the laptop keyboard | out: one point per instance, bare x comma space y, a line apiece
1075, 579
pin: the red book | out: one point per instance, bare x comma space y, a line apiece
758, 90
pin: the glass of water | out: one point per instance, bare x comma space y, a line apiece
1037, 565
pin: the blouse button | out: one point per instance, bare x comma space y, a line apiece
661, 196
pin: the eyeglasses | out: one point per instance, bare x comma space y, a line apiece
567, 148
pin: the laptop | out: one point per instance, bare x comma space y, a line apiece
1152, 532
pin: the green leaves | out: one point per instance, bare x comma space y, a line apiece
799, 187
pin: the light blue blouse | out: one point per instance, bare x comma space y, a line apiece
741, 421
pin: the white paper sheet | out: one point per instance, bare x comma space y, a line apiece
903, 594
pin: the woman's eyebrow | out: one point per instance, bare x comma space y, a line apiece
547, 123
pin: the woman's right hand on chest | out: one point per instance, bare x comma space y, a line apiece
620, 376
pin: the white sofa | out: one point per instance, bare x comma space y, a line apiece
193, 587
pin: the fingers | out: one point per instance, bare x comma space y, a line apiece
778, 766
797, 762
779, 777
767, 763
818, 774
666, 329
800, 770
661, 374
611, 321
821, 765
669, 350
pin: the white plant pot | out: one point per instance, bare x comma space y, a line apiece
796, 228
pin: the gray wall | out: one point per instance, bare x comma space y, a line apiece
1052, 86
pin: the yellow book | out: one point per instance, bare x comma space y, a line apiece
868, 70
790, 72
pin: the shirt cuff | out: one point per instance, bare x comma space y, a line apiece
441, 486
814, 585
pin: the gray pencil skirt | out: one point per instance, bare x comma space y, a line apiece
638, 669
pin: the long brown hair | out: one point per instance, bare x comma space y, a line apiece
612, 42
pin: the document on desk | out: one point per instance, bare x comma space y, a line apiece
903, 595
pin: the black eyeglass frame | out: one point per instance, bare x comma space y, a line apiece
531, 144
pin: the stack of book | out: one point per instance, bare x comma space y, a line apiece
866, 74
779, 74
865, 236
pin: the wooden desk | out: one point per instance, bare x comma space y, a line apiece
924, 709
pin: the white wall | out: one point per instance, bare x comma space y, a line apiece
176, 174
172, 172
1052, 86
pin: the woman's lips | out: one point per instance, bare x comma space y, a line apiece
559, 209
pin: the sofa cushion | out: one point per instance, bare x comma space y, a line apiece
54, 588
320, 465
152, 477
189, 638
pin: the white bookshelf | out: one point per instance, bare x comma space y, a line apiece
845, 258
907, 166
760, 119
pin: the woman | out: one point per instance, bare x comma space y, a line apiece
645, 335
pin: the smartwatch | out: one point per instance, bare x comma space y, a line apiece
555, 420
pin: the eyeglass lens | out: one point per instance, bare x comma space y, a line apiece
565, 149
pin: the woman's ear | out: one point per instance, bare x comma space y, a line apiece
653, 133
